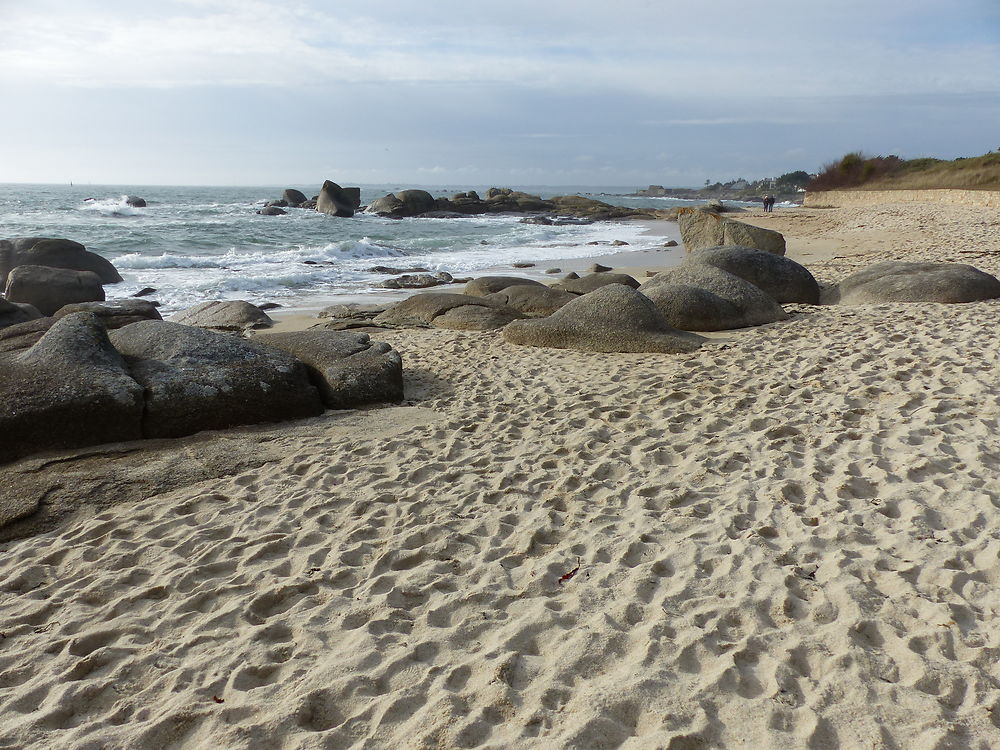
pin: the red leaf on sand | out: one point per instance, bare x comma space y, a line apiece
217, 699
566, 576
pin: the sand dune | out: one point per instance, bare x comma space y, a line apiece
788, 539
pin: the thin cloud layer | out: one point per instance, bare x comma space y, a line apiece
652, 48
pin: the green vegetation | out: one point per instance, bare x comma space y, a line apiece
856, 171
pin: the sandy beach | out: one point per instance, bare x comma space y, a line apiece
788, 539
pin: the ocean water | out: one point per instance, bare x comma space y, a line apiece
201, 243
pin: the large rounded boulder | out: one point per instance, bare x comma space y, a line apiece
485, 285
47, 289
194, 379
895, 281
348, 368
781, 277
404, 203
70, 389
587, 284
534, 301
614, 318
455, 311
334, 200
705, 298
54, 253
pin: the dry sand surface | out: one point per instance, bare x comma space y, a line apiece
789, 539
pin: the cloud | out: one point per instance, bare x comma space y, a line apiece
655, 49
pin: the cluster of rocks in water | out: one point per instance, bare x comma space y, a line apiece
344, 202
76, 370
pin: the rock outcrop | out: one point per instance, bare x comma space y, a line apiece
334, 200
47, 289
781, 277
194, 379
614, 318
895, 281
293, 197
702, 229
348, 369
70, 389
54, 253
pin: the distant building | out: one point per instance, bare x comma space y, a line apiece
740, 185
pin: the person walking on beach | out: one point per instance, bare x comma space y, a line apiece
768, 203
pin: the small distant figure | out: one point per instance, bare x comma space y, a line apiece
768, 203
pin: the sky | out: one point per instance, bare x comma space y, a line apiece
453, 92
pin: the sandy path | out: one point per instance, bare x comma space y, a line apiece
788, 539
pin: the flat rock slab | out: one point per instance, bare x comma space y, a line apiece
895, 281
348, 368
195, 379
614, 318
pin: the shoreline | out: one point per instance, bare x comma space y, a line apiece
632, 261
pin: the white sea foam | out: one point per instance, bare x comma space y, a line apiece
194, 244
114, 207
